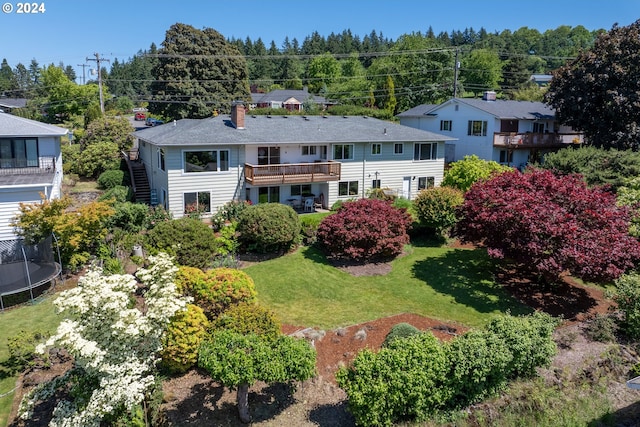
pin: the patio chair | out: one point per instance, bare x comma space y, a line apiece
308, 205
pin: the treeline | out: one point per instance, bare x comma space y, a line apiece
371, 71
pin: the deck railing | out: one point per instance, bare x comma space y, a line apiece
528, 140
44, 165
291, 173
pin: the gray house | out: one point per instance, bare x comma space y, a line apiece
299, 160
30, 165
290, 99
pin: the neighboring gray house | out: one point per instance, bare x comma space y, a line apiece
7, 105
30, 164
292, 100
509, 132
203, 164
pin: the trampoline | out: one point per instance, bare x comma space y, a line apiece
26, 267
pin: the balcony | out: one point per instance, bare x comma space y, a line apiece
536, 140
44, 165
295, 173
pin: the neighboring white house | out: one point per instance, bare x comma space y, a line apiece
30, 165
203, 164
509, 132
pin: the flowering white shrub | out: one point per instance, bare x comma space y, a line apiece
114, 341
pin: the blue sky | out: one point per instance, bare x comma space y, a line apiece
72, 30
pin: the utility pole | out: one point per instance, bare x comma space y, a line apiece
456, 66
98, 61
83, 74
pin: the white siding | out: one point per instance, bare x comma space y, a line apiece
10, 207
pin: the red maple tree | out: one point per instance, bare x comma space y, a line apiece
553, 224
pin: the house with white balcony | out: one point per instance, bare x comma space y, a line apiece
513, 133
30, 167
201, 164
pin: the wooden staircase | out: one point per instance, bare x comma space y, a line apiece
140, 183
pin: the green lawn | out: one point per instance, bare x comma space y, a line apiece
40, 316
443, 283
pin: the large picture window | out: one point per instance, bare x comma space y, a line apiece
348, 188
268, 194
425, 151
206, 161
197, 202
343, 152
268, 155
477, 128
18, 152
301, 189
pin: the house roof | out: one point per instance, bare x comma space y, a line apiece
11, 125
501, 109
418, 111
506, 109
282, 95
284, 129
13, 102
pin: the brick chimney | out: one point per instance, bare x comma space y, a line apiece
237, 114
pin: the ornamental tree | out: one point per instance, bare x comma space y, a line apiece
436, 207
114, 343
364, 230
602, 82
237, 361
552, 224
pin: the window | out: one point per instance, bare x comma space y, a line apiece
506, 156
309, 150
268, 194
18, 153
299, 190
198, 202
323, 151
477, 128
426, 182
538, 128
343, 152
425, 151
206, 161
446, 125
376, 149
161, 164
375, 183
268, 155
398, 148
348, 188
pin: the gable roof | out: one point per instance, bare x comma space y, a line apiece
282, 95
419, 111
501, 109
284, 129
11, 125
13, 102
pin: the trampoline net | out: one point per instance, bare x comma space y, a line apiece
23, 266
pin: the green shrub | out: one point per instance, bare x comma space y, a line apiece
111, 178
309, 227
215, 291
478, 367
183, 337
529, 339
230, 212
601, 328
471, 169
405, 381
22, 348
249, 318
436, 207
401, 330
189, 240
119, 193
129, 216
268, 227
112, 266
227, 239
627, 296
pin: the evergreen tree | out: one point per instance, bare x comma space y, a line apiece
198, 72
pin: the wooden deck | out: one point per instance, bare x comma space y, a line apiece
297, 173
